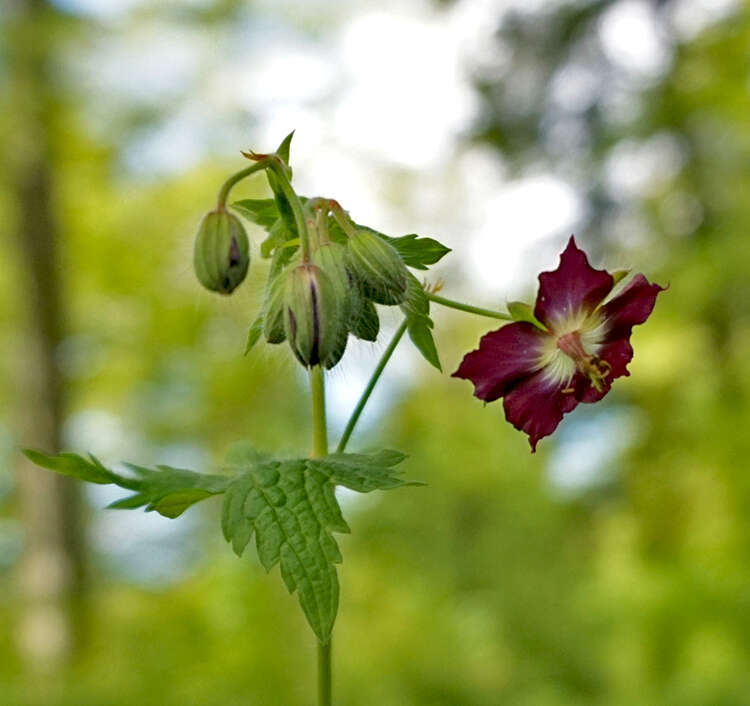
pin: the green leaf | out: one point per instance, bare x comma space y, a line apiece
418, 252
283, 149
262, 212
168, 491
521, 311
421, 337
276, 217
291, 508
363, 472
254, 333
416, 308
265, 213
74, 466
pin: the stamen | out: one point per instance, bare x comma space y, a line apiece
595, 369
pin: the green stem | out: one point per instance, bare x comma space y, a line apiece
339, 215
468, 307
320, 433
387, 353
320, 448
324, 674
239, 176
296, 204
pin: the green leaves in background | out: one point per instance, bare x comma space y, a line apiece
168, 491
292, 509
290, 506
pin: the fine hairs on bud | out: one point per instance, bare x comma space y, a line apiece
312, 315
379, 268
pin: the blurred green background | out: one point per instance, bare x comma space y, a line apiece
611, 568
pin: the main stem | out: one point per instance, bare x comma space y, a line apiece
320, 448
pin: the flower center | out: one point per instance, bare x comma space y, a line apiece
595, 369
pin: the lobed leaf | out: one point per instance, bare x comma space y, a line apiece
291, 508
166, 490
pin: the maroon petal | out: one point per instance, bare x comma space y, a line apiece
631, 307
617, 354
536, 405
573, 287
503, 356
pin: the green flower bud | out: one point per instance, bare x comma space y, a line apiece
379, 268
273, 311
221, 254
312, 314
331, 259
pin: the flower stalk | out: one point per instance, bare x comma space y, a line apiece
226, 187
469, 308
357, 413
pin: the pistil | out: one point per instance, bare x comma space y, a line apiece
596, 370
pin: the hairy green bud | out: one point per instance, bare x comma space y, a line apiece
331, 259
379, 268
221, 254
312, 314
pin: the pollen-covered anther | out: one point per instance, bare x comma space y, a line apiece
589, 365
597, 372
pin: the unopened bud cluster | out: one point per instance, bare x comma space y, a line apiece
316, 305
319, 295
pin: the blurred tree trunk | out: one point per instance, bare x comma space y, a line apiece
51, 573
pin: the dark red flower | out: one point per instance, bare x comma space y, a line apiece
543, 373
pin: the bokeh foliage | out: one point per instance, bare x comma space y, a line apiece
493, 584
